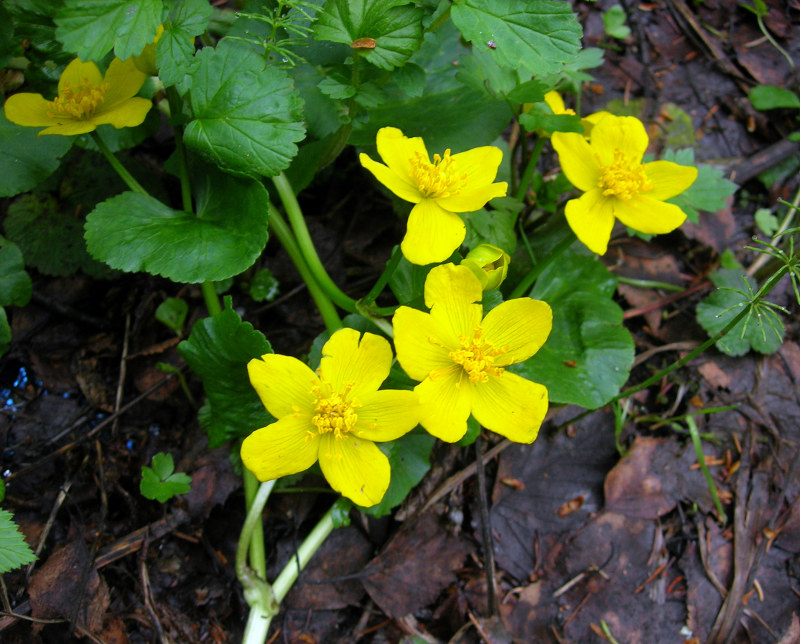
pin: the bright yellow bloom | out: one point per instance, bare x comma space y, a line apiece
146, 61
556, 103
460, 357
85, 100
440, 189
333, 416
608, 168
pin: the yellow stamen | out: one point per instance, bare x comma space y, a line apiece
438, 179
624, 178
476, 357
333, 411
79, 103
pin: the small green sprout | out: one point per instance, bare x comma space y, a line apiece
160, 482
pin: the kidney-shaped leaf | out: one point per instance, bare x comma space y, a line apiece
133, 232
247, 116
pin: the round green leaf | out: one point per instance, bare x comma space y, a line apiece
133, 232
15, 283
247, 116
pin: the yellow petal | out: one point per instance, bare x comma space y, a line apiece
432, 234
355, 468
446, 400
387, 414
623, 133
576, 159
473, 199
283, 383
522, 325
361, 366
30, 110
124, 81
591, 218
415, 339
649, 216
127, 114
668, 179
479, 164
397, 150
451, 292
69, 127
78, 72
511, 406
401, 185
555, 102
282, 448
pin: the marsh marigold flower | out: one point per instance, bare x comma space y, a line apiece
608, 169
85, 100
440, 189
460, 357
333, 415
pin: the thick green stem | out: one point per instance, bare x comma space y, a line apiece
522, 190
666, 286
175, 110
210, 297
383, 280
258, 557
306, 246
126, 176
323, 302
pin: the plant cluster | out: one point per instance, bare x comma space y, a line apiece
502, 306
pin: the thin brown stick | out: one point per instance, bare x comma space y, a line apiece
488, 542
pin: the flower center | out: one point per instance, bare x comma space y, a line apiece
624, 178
437, 179
79, 103
476, 357
334, 412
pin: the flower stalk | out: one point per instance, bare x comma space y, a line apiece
126, 176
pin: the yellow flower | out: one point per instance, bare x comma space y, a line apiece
440, 189
608, 168
460, 357
146, 61
556, 103
85, 100
333, 416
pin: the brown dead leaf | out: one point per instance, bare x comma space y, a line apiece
714, 376
56, 588
416, 565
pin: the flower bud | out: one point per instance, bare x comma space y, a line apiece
489, 264
146, 61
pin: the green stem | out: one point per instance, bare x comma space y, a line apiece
210, 297
258, 557
126, 176
701, 459
175, 109
772, 40
527, 281
522, 190
306, 246
321, 299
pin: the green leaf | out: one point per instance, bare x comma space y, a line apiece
133, 232
408, 283
409, 459
27, 159
264, 286
90, 28
218, 351
50, 238
495, 228
762, 331
159, 483
247, 116
614, 21
5, 332
708, 192
15, 283
172, 312
541, 117
767, 222
770, 97
393, 25
14, 552
538, 35
174, 50
411, 79
589, 354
